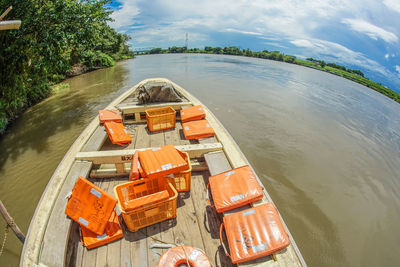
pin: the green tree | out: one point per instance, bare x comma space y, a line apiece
155, 51
54, 35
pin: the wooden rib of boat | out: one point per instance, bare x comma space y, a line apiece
53, 239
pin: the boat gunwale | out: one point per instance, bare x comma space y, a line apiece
31, 250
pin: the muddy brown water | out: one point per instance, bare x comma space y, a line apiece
326, 149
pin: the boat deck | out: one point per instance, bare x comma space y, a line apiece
196, 224
53, 239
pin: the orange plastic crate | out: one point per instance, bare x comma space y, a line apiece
182, 180
149, 213
160, 118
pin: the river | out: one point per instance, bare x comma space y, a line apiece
327, 149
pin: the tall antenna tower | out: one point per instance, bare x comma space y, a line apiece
187, 40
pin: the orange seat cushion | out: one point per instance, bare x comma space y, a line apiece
90, 206
109, 115
134, 172
193, 113
161, 161
112, 232
234, 188
254, 233
197, 129
117, 133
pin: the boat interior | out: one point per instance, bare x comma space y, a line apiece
197, 224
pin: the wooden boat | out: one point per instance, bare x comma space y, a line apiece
53, 238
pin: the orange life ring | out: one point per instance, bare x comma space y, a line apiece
175, 256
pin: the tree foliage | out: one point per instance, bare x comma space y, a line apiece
54, 36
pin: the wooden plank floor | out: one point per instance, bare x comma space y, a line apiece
196, 225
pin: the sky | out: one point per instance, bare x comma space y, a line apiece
359, 34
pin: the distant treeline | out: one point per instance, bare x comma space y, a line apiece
354, 75
57, 39
333, 65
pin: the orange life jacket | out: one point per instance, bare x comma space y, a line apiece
112, 232
134, 173
109, 115
117, 133
197, 129
254, 233
160, 161
234, 188
192, 113
90, 206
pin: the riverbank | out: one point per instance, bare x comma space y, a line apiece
350, 74
56, 40
55, 87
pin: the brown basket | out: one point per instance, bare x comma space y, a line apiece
151, 213
182, 180
160, 118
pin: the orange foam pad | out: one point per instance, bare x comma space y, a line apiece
162, 161
234, 188
255, 233
177, 255
142, 174
134, 172
117, 133
110, 115
193, 113
112, 232
145, 200
197, 129
90, 206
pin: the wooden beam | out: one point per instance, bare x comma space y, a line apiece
130, 109
197, 166
5, 13
10, 222
10, 24
121, 156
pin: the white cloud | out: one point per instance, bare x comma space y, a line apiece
302, 43
125, 16
398, 69
393, 4
242, 32
287, 18
371, 30
387, 56
335, 52
276, 45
